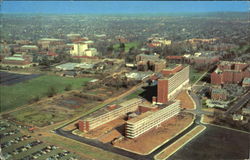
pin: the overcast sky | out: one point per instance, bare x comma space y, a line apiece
122, 7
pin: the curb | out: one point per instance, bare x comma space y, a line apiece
222, 126
162, 142
204, 127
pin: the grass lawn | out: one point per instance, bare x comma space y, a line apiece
135, 94
41, 116
21, 93
127, 46
83, 149
194, 75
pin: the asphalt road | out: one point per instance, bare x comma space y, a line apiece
239, 103
110, 148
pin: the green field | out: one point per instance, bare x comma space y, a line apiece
40, 116
194, 75
127, 46
22, 93
85, 149
135, 94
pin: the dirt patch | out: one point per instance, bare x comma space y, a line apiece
207, 119
186, 101
71, 102
110, 136
70, 127
156, 136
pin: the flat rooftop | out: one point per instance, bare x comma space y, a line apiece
246, 80
140, 117
148, 113
50, 39
147, 104
106, 110
230, 62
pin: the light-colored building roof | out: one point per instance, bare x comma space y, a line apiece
29, 46
100, 35
219, 91
88, 42
14, 58
138, 75
73, 35
72, 66
85, 65
67, 66
140, 117
50, 39
129, 102
246, 80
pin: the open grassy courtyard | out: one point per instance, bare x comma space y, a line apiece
22, 93
127, 46
194, 75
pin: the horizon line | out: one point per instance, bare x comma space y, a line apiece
127, 13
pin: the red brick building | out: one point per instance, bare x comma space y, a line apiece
173, 82
230, 72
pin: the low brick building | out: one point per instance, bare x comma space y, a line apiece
230, 73
219, 94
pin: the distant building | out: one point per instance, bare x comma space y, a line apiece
145, 57
237, 117
73, 36
200, 58
17, 61
219, 94
100, 35
246, 110
23, 42
29, 48
91, 52
216, 104
78, 49
221, 47
138, 75
82, 49
150, 62
199, 40
175, 59
230, 72
74, 66
246, 82
158, 42
48, 43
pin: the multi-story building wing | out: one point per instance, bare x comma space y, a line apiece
169, 86
148, 120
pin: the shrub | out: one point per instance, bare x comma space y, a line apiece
68, 87
51, 91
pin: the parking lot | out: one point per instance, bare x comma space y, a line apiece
16, 145
13, 78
